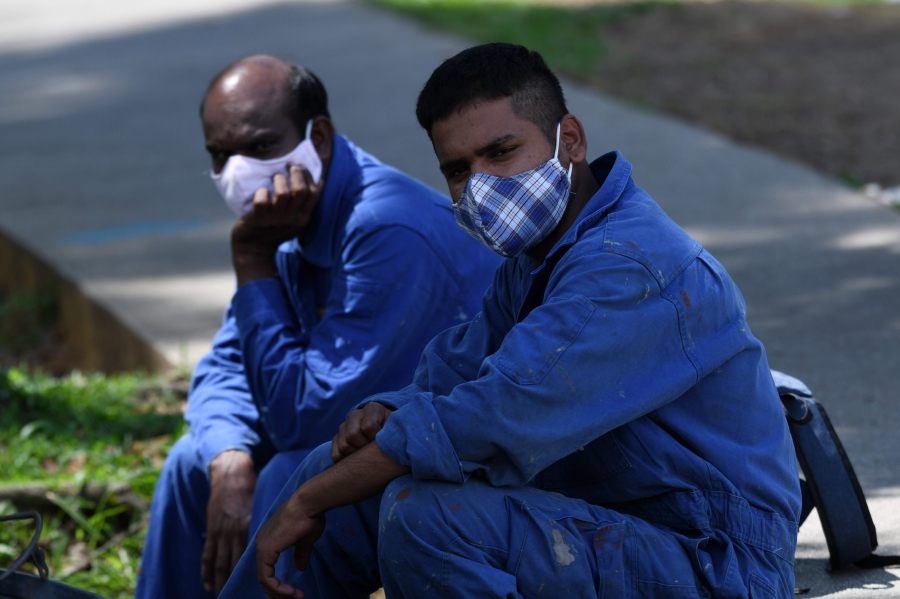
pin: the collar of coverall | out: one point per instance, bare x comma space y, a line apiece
614, 174
322, 243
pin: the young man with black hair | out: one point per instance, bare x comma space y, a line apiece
345, 267
607, 426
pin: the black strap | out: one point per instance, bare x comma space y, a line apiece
831, 485
32, 551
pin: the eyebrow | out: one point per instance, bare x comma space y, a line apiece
264, 135
489, 146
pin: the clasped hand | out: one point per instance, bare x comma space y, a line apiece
359, 430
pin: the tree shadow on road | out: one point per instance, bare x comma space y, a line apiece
811, 574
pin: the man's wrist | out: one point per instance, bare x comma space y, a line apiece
359, 476
253, 264
228, 461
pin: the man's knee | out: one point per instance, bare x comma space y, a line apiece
273, 479
279, 469
318, 460
428, 510
284, 473
184, 465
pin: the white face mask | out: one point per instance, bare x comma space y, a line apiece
242, 176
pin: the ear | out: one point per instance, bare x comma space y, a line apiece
322, 136
572, 140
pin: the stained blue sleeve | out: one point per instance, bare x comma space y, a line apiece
221, 412
455, 356
603, 349
377, 311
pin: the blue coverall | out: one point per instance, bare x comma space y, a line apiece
607, 426
382, 271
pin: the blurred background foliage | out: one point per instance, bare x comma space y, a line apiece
86, 451
83, 449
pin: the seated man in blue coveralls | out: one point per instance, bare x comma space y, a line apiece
373, 269
607, 426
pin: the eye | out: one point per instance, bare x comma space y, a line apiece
219, 156
263, 146
503, 151
454, 174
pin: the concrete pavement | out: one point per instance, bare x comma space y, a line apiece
103, 174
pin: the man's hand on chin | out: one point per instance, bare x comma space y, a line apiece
232, 478
255, 237
300, 521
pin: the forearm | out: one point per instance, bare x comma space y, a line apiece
357, 477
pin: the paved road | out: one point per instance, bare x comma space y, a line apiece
102, 172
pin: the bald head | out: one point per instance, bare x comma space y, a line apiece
259, 107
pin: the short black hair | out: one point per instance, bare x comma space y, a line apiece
306, 92
491, 72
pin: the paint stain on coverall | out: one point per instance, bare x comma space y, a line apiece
561, 551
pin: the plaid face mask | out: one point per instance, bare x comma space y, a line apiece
511, 215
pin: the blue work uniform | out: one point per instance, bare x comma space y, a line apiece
607, 426
382, 271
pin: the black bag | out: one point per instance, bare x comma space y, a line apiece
831, 484
18, 585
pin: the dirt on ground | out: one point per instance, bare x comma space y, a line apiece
816, 83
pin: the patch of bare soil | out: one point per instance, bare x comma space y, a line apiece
820, 84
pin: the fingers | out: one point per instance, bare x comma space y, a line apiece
336, 455
360, 429
272, 587
261, 198
340, 447
291, 193
353, 431
265, 573
282, 191
348, 438
298, 181
207, 563
222, 563
373, 418
238, 545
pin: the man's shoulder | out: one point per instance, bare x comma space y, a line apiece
386, 196
637, 228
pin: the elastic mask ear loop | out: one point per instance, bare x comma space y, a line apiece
308, 129
556, 152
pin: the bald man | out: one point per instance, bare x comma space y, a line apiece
345, 268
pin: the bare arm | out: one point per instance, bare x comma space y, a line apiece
299, 522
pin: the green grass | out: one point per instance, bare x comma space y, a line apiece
570, 39
65, 432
